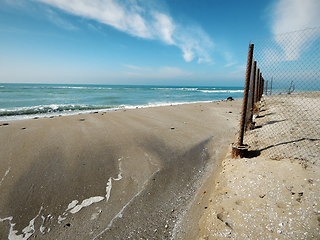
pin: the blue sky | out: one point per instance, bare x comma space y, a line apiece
152, 42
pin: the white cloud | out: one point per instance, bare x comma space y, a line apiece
204, 60
188, 54
230, 64
137, 68
57, 20
294, 15
165, 27
140, 19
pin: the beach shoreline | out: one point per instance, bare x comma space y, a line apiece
24, 101
102, 110
115, 174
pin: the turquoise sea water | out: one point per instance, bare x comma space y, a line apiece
20, 101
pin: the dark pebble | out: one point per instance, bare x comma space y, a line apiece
81, 119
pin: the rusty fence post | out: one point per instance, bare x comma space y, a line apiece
266, 91
252, 102
239, 149
257, 87
261, 88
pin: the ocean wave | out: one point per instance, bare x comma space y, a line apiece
222, 91
183, 89
49, 109
26, 87
67, 87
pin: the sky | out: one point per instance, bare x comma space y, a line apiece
140, 42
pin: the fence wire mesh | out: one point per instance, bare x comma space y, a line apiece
283, 111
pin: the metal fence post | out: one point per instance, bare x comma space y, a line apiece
266, 91
239, 149
257, 87
254, 76
261, 87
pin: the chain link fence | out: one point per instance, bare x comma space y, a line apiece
282, 105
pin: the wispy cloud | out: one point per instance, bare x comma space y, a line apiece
294, 15
57, 20
229, 58
204, 60
141, 19
230, 64
137, 68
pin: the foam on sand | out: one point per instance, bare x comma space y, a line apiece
86, 203
27, 232
109, 184
6, 173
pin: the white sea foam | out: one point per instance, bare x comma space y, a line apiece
72, 204
27, 232
6, 173
181, 89
222, 91
86, 203
42, 228
109, 184
60, 219
108, 189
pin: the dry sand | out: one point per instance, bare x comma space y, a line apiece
115, 175
274, 195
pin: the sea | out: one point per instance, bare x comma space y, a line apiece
25, 101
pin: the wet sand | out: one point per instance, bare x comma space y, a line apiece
129, 173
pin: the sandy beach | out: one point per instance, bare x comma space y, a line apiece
123, 174
274, 195
162, 173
